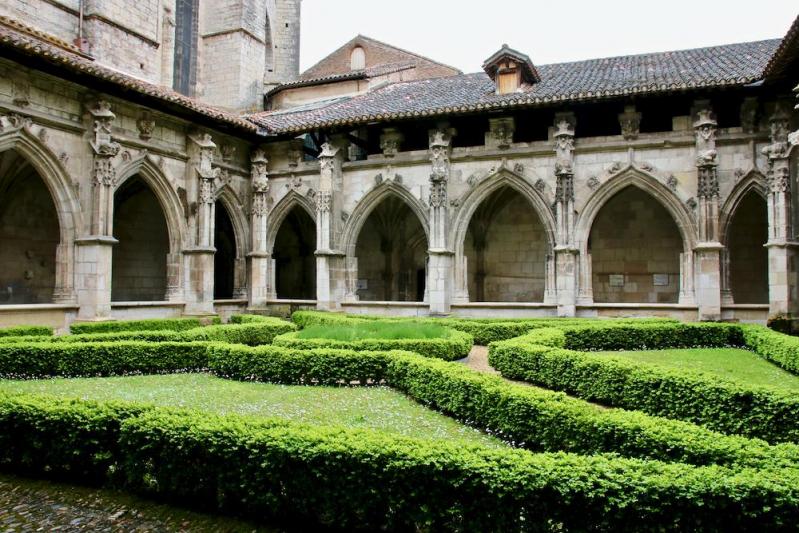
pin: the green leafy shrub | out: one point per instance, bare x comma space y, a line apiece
374, 330
253, 333
101, 359
626, 336
26, 331
686, 395
168, 324
249, 319
150, 336
456, 344
354, 479
299, 367
780, 349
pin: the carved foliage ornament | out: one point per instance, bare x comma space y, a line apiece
705, 128
146, 126
630, 122
438, 193
439, 155
323, 201
327, 157
259, 171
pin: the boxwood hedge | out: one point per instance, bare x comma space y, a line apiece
306, 477
697, 397
169, 324
26, 331
456, 345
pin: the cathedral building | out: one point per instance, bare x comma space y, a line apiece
167, 157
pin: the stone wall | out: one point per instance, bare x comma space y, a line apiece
635, 249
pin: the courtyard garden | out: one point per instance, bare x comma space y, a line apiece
353, 422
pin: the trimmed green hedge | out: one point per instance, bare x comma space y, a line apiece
456, 346
626, 336
780, 349
306, 477
26, 331
288, 366
253, 333
484, 330
533, 418
681, 394
101, 359
249, 319
168, 324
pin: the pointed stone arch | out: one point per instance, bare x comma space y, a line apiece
166, 194
281, 210
231, 205
752, 181
370, 201
649, 184
171, 208
744, 232
661, 194
20, 139
504, 178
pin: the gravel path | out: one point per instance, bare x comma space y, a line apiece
478, 360
28, 505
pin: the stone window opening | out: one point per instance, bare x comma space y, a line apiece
29, 234
139, 263
185, 63
293, 256
357, 58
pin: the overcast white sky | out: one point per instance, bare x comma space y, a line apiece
462, 33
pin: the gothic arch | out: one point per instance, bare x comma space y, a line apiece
370, 201
484, 189
279, 213
235, 210
752, 181
167, 197
67, 205
646, 183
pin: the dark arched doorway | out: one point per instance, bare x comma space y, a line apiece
29, 233
746, 237
140, 256
225, 256
293, 253
392, 254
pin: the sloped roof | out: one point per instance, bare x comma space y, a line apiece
65, 61
360, 74
310, 73
529, 72
786, 54
715, 66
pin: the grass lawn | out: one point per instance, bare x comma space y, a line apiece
729, 363
379, 408
374, 330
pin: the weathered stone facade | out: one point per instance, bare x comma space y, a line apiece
676, 204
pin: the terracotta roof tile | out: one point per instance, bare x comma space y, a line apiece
14, 37
716, 66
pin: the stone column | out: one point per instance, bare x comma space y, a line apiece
330, 261
260, 258
200, 293
708, 250
94, 251
566, 252
782, 246
440, 256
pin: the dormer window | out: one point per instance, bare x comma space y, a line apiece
510, 70
357, 58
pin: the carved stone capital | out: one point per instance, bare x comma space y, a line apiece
708, 186
438, 193
324, 200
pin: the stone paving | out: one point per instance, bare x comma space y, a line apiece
28, 505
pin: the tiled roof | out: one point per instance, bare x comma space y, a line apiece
786, 53
18, 38
716, 66
360, 74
